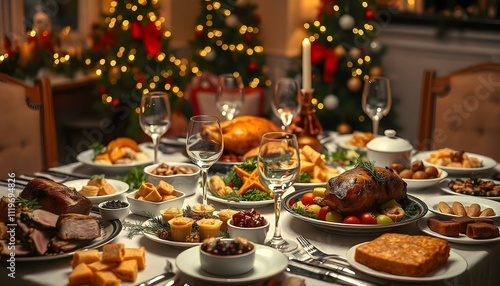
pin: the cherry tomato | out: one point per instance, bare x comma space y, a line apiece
322, 212
292, 202
308, 198
367, 218
351, 220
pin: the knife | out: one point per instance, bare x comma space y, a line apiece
324, 275
158, 279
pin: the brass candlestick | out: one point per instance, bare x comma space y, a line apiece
306, 125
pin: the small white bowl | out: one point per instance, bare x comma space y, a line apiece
147, 208
254, 234
227, 265
187, 183
425, 183
114, 213
389, 149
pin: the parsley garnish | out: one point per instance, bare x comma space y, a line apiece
24, 203
370, 168
134, 178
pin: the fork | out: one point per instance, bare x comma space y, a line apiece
167, 275
316, 252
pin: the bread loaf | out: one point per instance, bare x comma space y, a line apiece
478, 230
405, 255
446, 228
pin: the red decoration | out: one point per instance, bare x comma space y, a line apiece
7, 45
198, 34
107, 40
102, 89
115, 102
252, 66
320, 53
327, 5
249, 37
150, 36
369, 14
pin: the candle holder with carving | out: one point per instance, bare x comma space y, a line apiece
306, 125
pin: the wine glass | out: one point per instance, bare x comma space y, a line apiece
204, 145
286, 100
279, 164
154, 117
230, 95
377, 99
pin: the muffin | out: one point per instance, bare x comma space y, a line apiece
171, 212
209, 227
203, 210
180, 228
224, 216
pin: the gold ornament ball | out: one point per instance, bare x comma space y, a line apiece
339, 51
354, 84
344, 128
376, 71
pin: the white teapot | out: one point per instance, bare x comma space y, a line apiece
389, 149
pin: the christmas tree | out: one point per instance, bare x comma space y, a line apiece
131, 56
226, 40
344, 52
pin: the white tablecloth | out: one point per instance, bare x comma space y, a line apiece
482, 259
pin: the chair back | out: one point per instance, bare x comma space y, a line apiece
28, 140
461, 110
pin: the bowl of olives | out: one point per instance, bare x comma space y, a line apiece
419, 176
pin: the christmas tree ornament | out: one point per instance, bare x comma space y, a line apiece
340, 51
331, 102
248, 37
232, 21
252, 66
375, 46
355, 53
344, 128
376, 71
369, 14
354, 84
346, 22
211, 55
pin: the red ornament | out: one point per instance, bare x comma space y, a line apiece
150, 36
249, 37
252, 66
115, 102
330, 60
369, 14
198, 34
102, 89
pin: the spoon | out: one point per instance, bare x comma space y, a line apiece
168, 274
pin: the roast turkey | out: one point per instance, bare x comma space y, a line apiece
243, 133
359, 190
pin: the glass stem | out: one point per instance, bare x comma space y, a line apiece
204, 175
156, 142
277, 215
375, 126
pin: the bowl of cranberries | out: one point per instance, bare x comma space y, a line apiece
227, 256
249, 224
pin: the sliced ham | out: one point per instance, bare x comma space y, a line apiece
77, 226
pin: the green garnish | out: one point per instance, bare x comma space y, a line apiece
304, 177
24, 203
134, 178
99, 177
98, 148
156, 223
303, 212
344, 156
370, 168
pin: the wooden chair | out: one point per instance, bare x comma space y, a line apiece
461, 110
28, 140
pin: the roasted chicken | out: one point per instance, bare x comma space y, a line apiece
359, 190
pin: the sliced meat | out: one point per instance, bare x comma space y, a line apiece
61, 246
79, 227
40, 240
19, 249
43, 218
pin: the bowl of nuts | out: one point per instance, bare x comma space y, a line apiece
227, 257
419, 176
183, 176
114, 209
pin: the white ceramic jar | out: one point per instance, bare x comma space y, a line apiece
389, 149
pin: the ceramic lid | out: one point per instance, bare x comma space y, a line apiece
389, 143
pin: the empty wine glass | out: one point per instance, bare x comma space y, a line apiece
286, 100
230, 95
154, 117
377, 99
204, 145
279, 164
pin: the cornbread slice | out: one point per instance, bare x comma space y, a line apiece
100, 266
165, 188
85, 256
105, 278
81, 275
127, 270
138, 254
405, 255
113, 253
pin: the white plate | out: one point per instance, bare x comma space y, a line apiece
432, 204
455, 266
120, 187
462, 238
353, 229
413, 184
87, 158
268, 262
488, 164
444, 187
176, 244
343, 141
109, 230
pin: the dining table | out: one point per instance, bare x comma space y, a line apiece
482, 259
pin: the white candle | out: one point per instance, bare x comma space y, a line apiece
306, 65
